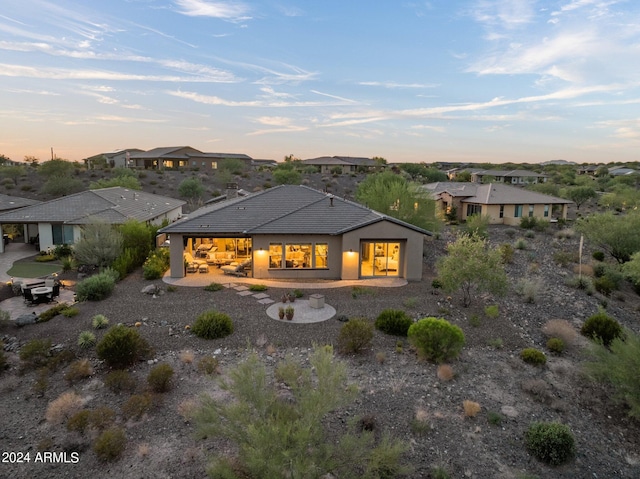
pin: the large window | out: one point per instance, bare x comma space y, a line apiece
517, 213
62, 234
380, 258
474, 210
298, 255
546, 211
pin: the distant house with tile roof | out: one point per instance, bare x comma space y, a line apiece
113, 159
504, 204
512, 177
342, 164
296, 232
59, 221
176, 157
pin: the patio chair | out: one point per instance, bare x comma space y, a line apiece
29, 300
237, 269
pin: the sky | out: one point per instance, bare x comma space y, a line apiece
410, 81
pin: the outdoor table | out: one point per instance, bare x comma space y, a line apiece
41, 292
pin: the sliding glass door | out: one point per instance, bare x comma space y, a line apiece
379, 258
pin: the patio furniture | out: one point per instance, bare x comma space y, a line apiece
192, 265
203, 268
42, 294
237, 269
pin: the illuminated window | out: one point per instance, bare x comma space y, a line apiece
298, 255
321, 255
275, 255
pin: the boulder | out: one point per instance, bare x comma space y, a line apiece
29, 318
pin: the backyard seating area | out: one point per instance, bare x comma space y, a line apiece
38, 291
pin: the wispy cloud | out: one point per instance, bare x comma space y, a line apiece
33, 92
125, 119
280, 101
507, 14
234, 11
390, 84
280, 124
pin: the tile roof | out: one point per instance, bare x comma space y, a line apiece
116, 205
284, 209
492, 193
12, 202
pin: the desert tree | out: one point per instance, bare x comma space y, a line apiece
471, 265
617, 365
631, 270
61, 186
615, 234
578, 194
99, 245
56, 167
277, 425
394, 196
12, 172
192, 189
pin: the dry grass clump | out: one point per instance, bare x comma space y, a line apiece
187, 409
586, 269
187, 356
78, 370
445, 372
143, 449
471, 408
539, 389
62, 408
560, 328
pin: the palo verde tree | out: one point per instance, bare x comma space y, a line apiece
99, 245
578, 194
393, 195
471, 265
278, 429
615, 234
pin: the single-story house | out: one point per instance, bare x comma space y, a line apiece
344, 164
8, 203
513, 177
503, 203
175, 157
114, 159
59, 221
295, 232
622, 171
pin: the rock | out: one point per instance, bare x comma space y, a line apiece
25, 319
150, 289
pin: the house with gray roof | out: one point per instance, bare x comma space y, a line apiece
59, 221
176, 157
295, 232
342, 164
511, 177
113, 159
503, 204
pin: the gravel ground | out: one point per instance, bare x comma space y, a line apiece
395, 387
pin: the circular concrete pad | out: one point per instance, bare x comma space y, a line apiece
303, 312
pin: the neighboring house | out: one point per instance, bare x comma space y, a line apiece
513, 177
257, 164
8, 203
175, 157
622, 171
114, 159
231, 192
504, 204
296, 232
342, 164
59, 221
588, 170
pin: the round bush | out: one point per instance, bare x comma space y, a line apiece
159, 378
212, 325
436, 339
355, 335
110, 444
533, 356
393, 321
601, 327
555, 345
96, 287
99, 321
121, 347
598, 255
551, 443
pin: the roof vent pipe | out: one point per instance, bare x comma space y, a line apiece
330, 200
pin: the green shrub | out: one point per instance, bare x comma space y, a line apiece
355, 335
436, 339
121, 347
52, 312
70, 312
555, 345
393, 321
436, 284
125, 263
212, 325
156, 264
136, 406
79, 421
101, 417
86, 339
298, 293
521, 244
99, 321
492, 311
109, 445
45, 258
533, 356
506, 252
601, 327
36, 353
477, 225
120, 380
564, 258
256, 288
551, 443
604, 285
598, 255
527, 222
96, 287
213, 287
67, 263
208, 365
159, 378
